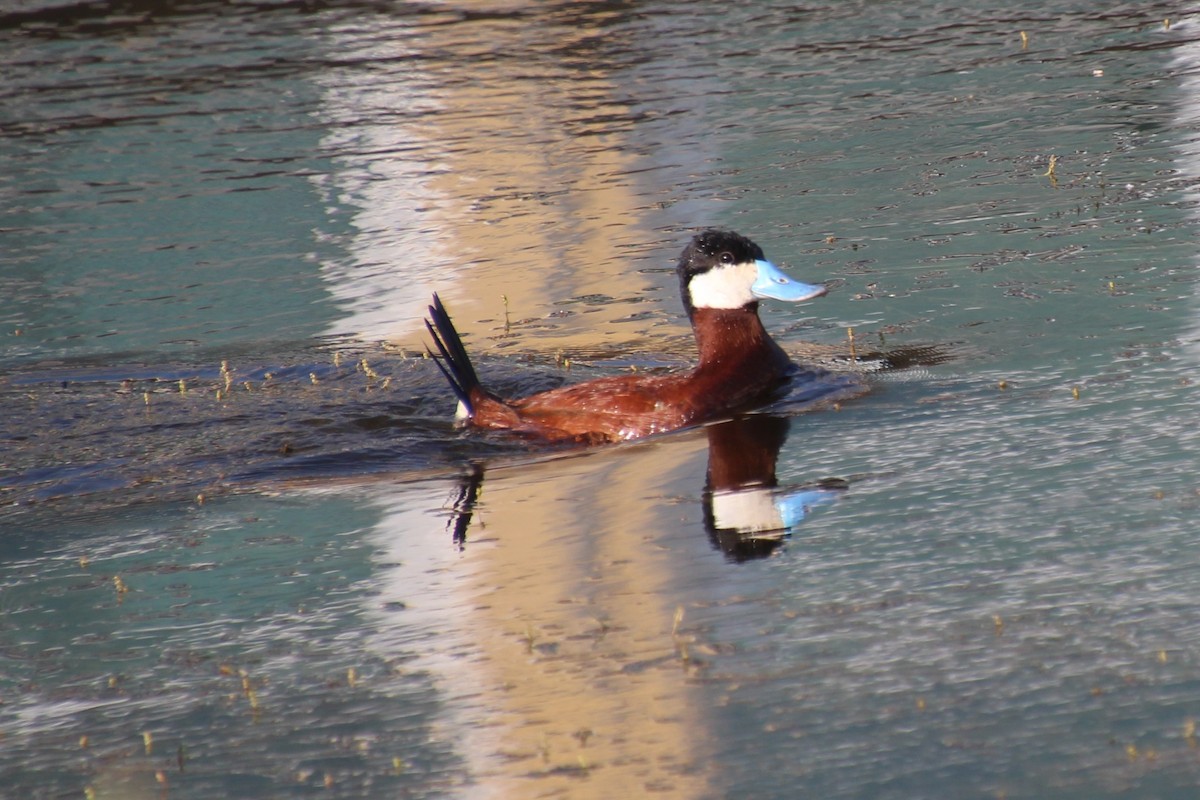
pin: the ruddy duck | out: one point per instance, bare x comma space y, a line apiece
722, 276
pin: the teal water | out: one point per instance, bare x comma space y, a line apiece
288, 575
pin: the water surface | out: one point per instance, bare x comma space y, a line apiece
245, 554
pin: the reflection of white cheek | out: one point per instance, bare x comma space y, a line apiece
747, 511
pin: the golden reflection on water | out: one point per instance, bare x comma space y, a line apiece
582, 682
576, 684
518, 193
565, 668
536, 246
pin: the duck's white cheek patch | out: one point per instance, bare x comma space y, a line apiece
724, 287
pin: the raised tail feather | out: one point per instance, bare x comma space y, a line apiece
454, 362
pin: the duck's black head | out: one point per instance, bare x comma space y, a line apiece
723, 269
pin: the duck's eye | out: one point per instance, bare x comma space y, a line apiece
726, 258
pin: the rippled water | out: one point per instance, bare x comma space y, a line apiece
244, 554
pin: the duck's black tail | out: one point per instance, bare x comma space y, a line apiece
454, 362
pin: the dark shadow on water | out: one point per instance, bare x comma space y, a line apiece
89, 437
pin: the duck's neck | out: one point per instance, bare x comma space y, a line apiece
731, 337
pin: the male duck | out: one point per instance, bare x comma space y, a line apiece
722, 276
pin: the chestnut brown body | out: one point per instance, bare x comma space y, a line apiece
740, 365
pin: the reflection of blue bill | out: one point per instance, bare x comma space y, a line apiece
794, 505
761, 510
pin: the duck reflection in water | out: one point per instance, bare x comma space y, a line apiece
747, 515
